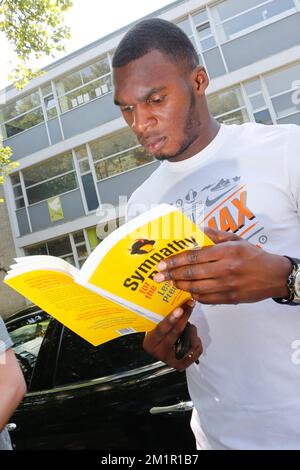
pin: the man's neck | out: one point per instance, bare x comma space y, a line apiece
207, 134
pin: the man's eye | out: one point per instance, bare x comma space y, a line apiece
126, 109
156, 100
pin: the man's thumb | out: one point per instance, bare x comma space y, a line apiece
218, 236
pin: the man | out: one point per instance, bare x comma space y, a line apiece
244, 180
12, 385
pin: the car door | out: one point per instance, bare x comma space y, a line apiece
114, 396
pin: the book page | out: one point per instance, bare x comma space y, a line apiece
91, 316
126, 271
30, 263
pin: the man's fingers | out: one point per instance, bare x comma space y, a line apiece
188, 307
195, 256
196, 346
164, 349
193, 272
218, 236
194, 352
169, 329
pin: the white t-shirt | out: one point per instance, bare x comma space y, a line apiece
246, 388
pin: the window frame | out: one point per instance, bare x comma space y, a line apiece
73, 244
269, 97
83, 84
73, 170
250, 29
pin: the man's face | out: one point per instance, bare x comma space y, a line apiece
159, 103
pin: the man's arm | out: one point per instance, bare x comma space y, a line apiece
12, 385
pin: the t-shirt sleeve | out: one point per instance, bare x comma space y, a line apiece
293, 164
5, 341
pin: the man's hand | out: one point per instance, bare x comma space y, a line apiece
160, 341
230, 272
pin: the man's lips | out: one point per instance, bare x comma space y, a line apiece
153, 144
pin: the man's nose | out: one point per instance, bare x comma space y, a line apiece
141, 119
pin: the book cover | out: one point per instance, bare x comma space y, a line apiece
114, 293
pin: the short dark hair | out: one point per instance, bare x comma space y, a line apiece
156, 34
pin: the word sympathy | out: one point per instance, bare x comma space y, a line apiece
146, 268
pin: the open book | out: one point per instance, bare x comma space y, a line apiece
113, 293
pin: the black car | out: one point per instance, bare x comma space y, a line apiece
114, 396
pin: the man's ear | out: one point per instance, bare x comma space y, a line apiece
200, 79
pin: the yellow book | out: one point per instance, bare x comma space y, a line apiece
113, 293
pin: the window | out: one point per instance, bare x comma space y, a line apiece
119, 355
112, 144
257, 101
49, 101
263, 117
228, 106
84, 85
185, 26
50, 178
282, 80
234, 18
122, 162
17, 189
202, 26
20, 115
117, 153
60, 247
206, 39
70, 247
92, 237
87, 177
57, 186
80, 246
82, 158
284, 104
50, 106
40, 249
282, 86
205, 35
27, 336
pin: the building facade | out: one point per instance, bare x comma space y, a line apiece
74, 149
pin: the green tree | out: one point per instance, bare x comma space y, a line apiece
5, 164
34, 28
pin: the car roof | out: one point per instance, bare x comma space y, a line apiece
24, 313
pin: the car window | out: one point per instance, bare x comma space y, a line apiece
78, 360
27, 336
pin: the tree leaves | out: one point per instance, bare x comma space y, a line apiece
5, 164
34, 28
